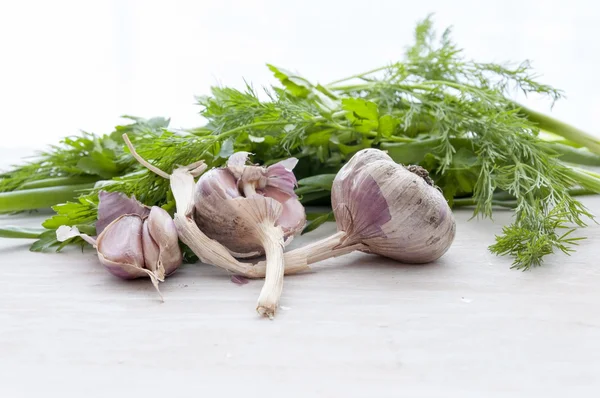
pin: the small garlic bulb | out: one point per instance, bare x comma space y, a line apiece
133, 241
395, 211
221, 192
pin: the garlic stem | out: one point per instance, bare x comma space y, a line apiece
271, 238
298, 260
143, 161
210, 251
318, 251
324, 249
248, 189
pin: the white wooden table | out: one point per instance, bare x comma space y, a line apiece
358, 326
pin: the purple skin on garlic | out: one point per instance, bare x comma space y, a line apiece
113, 205
367, 211
359, 197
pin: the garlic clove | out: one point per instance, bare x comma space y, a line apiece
120, 247
151, 252
292, 219
112, 205
228, 222
219, 183
275, 193
280, 176
360, 205
237, 163
162, 254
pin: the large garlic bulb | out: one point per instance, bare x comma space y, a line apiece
383, 208
395, 211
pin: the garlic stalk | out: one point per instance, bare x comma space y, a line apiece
133, 240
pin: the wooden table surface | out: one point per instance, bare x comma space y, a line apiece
357, 326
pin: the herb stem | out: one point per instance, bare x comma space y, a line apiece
59, 181
21, 233
465, 202
39, 198
587, 179
358, 76
251, 125
574, 155
552, 125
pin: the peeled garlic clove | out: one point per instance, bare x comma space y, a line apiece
160, 242
112, 205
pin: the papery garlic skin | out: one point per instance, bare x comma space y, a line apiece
113, 205
393, 211
162, 254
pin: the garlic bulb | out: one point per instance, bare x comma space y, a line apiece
384, 208
252, 210
133, 240
220, 194
394, 210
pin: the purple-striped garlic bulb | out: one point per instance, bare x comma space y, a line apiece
395, 211
252, 210
384, 208
133, 240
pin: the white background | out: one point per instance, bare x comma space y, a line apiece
71, 65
